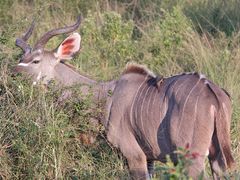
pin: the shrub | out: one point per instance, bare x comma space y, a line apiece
40, 139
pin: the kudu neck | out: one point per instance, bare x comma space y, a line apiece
67, 76
101, 90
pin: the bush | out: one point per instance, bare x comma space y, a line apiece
107, 44
40, 139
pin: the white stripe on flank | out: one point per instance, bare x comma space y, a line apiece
136, 95
141, 110
195, 114
184, 104
23, 64
151, 116
180, 86
138, 114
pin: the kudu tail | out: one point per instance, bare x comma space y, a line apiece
222, 129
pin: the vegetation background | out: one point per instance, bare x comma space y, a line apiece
40, 140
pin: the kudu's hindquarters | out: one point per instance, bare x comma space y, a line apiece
160, 117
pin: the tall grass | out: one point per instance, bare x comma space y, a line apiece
41, 139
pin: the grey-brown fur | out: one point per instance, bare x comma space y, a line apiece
147, 116
149, 122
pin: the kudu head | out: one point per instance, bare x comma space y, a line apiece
40, 63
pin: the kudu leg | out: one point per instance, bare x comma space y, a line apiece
217, 165
150, 166
214, 168
197, 168
137, 161
138, 168
215, 159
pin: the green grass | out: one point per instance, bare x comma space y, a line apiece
41, 140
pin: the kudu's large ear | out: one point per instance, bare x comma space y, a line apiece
69, 47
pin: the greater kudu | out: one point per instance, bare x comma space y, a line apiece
147, 117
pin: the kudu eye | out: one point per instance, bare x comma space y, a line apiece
35, 61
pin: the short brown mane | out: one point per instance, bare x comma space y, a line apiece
138, 69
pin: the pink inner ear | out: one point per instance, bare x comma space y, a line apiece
68, 41
66, 52
68, 47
